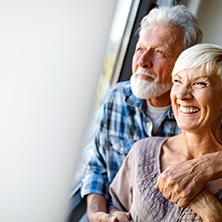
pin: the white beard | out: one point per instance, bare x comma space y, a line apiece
145, 89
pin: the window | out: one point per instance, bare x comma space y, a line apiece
118, 41
117, 67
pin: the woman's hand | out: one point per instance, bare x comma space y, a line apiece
97, 210
120, 216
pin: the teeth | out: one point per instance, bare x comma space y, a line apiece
188, 109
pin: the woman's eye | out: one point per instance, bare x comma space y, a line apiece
200, 84
176, 81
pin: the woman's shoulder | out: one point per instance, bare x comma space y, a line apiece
147, 147
149, 142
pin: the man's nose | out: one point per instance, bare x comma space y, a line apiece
145, 60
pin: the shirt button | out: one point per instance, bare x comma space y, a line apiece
148, 124
121, 149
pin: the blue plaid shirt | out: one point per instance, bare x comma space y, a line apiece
124, 121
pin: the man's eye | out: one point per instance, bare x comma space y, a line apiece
160, 53
139, 50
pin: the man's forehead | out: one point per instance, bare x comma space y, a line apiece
162, 34
160, 38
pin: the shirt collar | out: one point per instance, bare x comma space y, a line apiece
169, 113
133, 101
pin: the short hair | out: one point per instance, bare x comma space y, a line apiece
206, 56
179, 16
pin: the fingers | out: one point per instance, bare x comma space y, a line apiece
166, 185
183, 202
119, 216
128, 215
182, 182
157, 184
179, 190
103, 217
114, 219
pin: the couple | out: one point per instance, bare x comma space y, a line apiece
197, 106
129, 116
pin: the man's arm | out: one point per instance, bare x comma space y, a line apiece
105, 160
96, 205
182, 182
97, 210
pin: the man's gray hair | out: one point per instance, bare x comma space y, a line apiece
177, 16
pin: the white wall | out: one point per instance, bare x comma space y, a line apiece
51, 55
210, 17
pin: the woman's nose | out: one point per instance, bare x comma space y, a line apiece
145, 59
184, 93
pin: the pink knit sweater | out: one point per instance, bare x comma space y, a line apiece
133, 187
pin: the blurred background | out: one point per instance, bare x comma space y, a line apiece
51, 56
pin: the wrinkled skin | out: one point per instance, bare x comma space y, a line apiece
181, 182
207, 206
97, 210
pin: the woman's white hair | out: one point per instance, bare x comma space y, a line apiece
206, 56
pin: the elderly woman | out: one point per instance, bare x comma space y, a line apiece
197, 105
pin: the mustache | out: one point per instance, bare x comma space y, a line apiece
145, 72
